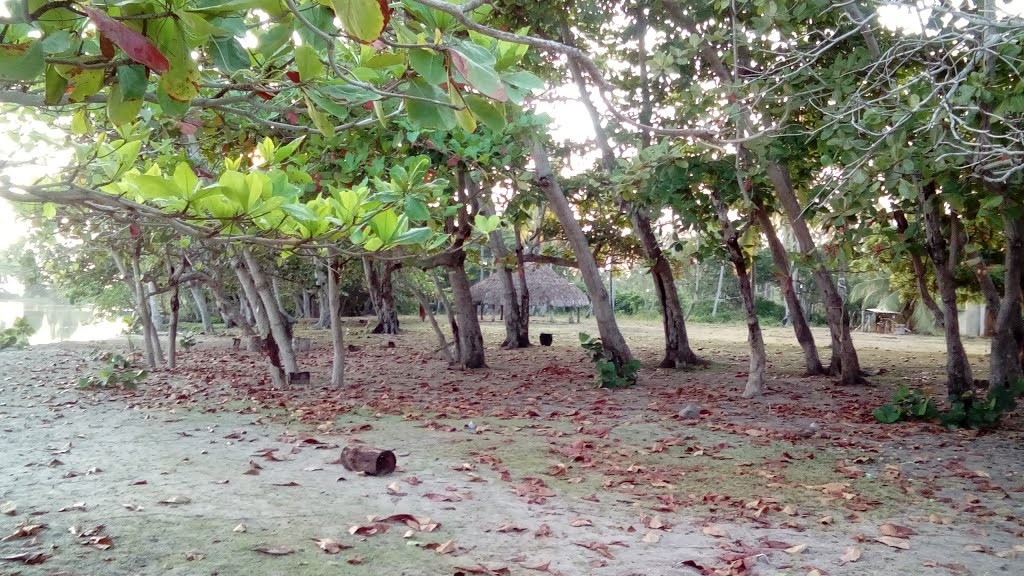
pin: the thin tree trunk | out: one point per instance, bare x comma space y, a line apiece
614, 344
443, 299
524, 290
154, 353
422, 299
279, 328
337, 328
758, 358
718, 292
172, 332
154, 307
323, 297
516, 330
812, 362
227, 311
943, 255
1005, 362
245, 279
920, 275
199, 298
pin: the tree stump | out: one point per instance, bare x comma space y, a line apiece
236, 343
301, 344
255, 344
298, 377
369, 460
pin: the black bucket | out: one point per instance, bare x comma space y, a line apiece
545, 339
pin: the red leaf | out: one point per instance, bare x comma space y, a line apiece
134, 44
293, 76
106, 47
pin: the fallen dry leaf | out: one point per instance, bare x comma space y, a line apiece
716, 531
542, 530
357, 559
76, 507
509, 528
825, 520
896, 530
9, 508
894, 542
194, 555
330, 546
654, 522
441, 547
24, 531
369, 529
578, 522
239, 528
652, 538
792, 550
852, 554
175, 500
940, 519
28, 558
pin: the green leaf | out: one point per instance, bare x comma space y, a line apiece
416, 209
465, 116
486, 224
476, 64
49, 210
121, 110
228, 54
180, 83
425, 114
414, 236
308, 61
132, 79
56, 86
429, 64
22, 62
56, 42
524, 80
887, 413
320, 16
386, 225
321, 121
80, 122
491, 113
992, 202
364, 19
285, 152
185, 179
170, 106
87, 83
273, 40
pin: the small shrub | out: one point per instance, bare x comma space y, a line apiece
769, 312
17, 335
187, 339
907, 404
117, 373
629, 302
968, 411
609, 375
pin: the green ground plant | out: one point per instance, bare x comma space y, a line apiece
118, 372
17, 335
609, 375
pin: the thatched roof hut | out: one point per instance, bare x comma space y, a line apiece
546, 287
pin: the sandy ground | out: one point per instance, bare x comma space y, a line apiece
207, 464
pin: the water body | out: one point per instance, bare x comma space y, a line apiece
58, 322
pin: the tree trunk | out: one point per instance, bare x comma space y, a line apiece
443, 299
425, 305
382, 295
154, 307
844, 356
259, 312
227, 311
1005, 362
718, 292
279, 326
516, 327
614, 344
677, 343
323, 297
172, 332
920, 275
204, 311
958, 368
812, 362
471, 339
337, 328
758, 359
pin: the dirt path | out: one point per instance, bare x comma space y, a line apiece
556, 478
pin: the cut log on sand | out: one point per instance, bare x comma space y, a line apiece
369, 460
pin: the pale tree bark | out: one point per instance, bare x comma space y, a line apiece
812, 362
277, 373
920, 275
279, 329
425, 304
215, 282
944, 259
382, 295
154, 307
844, 357
276, 290
471, 339
1005, 358
678, 352
758, 358
323, 296
614, 344
131, 280
517, 324
334, 266
196, 290
452, 323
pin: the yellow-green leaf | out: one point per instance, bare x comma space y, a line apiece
87, 83
308, 61
364, 19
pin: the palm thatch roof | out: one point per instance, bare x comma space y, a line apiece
546, 287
